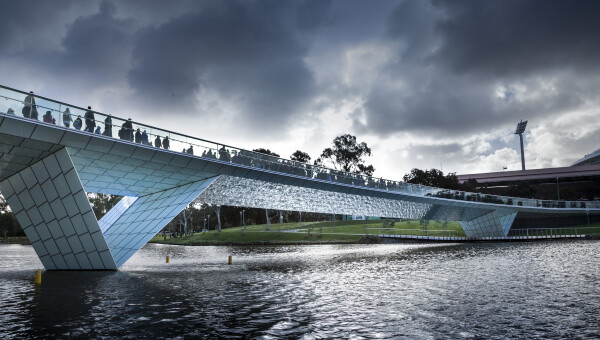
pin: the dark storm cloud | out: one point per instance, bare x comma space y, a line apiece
454, 57
97, 47
519, 37
71, 41
452, 105
26, 26
248, 52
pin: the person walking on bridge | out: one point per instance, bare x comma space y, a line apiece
48, 117
30, 109
157, 142
67, 118
77, 123
165, 143
108, 126
138, 136
126, 131
90, 120
145, 138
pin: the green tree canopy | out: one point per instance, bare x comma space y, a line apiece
266, 152
433, 177
300, 156
347, 155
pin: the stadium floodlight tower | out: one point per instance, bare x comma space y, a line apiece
520, 129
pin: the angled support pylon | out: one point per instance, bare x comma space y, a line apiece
136, 220
51, 205
494, 224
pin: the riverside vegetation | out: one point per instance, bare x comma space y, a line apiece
315, 232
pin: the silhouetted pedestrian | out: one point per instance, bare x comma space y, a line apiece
145, 138
47, 117
126, 131
157, 142
165, 143
90, 121
190, 150
67, 118
30, 109
138, 136
108, 126
77, 123
224, 154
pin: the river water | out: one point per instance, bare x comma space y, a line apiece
416, 291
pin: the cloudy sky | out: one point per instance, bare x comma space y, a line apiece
425, 83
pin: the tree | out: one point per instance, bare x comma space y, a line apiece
266, 152
102, 203
184, 216
217, 210
300, 156
433, 178
347, 155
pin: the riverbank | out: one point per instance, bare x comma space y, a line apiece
15, 240
344, 232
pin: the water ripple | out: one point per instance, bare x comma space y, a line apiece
495, 291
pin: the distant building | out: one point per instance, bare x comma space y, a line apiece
591, 159
581, 180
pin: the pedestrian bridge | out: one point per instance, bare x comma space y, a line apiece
47, 167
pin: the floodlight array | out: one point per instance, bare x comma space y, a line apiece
521, 127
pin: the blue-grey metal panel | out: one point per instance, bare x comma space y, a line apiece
42, 212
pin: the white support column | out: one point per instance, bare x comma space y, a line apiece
51, 206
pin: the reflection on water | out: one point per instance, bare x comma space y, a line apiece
496, 290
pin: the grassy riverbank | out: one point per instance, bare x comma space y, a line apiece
320, 232
15, 240
324, 232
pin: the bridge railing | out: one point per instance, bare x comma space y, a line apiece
415, 232
592, 230
74, 117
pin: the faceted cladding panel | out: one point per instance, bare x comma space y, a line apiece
126, 170
236, 191
478, 220
495, 224
50, 204
137, 220
18, 153
115, 212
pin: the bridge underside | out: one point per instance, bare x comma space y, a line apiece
47, 171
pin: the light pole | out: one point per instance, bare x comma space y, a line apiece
520, 129
6, 228
208, 226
